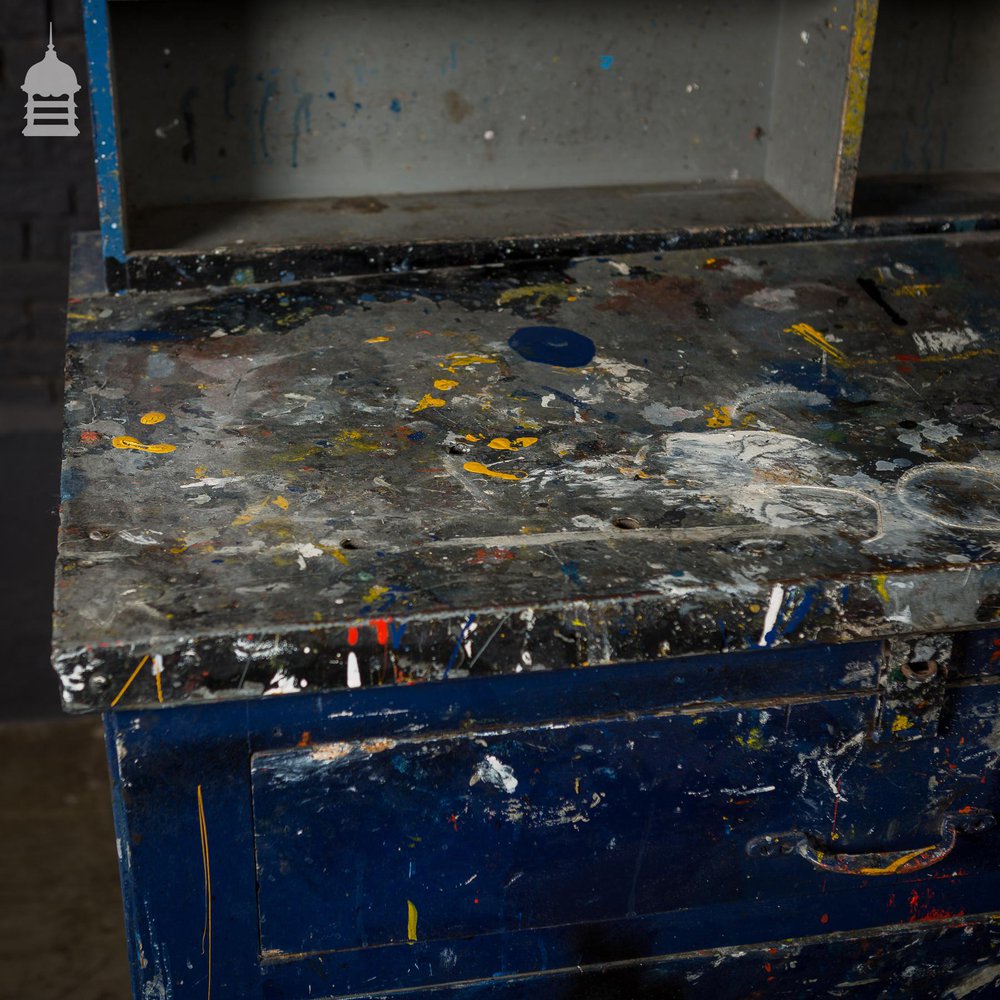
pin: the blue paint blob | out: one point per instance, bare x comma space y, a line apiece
332, 95
553, 345
417, 436
395, 106
607, 62
357, 105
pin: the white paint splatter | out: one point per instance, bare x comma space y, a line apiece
772, 299
773, 607
495, 772
140, 539
353, 671
945, 341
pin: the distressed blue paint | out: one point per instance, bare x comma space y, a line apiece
553, 345
457, 648
389, 812
301, 122
95, 26
270, 93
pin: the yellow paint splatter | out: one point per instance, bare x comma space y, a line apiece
539, 292
280, 502
200, 472
89, 316
427, 401
812, 336
452, 362
251, 512
505, 444
914, 291
900, 723
719, 416
376, 340
126, 442
411, 922
754, 608
473, 437
883, 592
444, 384
374, 594
697, 720
356, 440
483, 470
753, 740
153, 417
576, 786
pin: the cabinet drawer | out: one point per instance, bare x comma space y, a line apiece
556, 843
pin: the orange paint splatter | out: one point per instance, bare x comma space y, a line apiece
352, 636
90, 437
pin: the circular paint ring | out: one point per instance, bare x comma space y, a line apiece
553, 345
953, 495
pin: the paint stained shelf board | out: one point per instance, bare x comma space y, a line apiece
486, 470
278, 124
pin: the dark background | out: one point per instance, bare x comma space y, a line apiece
47, 191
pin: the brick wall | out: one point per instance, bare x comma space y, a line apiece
47, 191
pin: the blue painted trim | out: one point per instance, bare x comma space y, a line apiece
102, 109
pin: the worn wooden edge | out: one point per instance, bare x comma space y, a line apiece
855, 102
297, 658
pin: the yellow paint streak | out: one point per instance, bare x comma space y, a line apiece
505, 444
538, 292
128, 683
914, 291
206, 934
159, 686
897, 864
444, 384
153, 417
635, 473
452, 362
426, 402
901, 723
576, 786
879, 579
483, 470
853, 115
251, 512
125, 442
280, 502
411, 922
90, 316
719, 416
376, 340
812, 336
374, 594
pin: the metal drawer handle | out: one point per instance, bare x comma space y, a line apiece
879, 862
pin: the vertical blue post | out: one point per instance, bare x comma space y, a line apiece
102, 107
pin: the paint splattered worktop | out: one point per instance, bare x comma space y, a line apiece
420, 476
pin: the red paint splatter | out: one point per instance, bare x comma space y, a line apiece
453, 819
381, 630
491, 556
90, 437
352, 636
304, 739
825, 918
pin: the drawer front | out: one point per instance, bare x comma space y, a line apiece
619, 837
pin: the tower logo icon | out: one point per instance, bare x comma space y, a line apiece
50, 86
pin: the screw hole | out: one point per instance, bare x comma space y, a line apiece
628, 523
350, 543
920, 670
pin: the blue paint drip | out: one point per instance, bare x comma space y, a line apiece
798, 614
95, 25
553, 345
228, 82
458, 645
270, 91
607, 62
572, 573
303, 118
396, 630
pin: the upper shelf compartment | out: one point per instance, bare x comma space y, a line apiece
932, 135
356, 137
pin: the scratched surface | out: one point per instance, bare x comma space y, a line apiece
424, 476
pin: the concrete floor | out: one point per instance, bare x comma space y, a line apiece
61, 930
